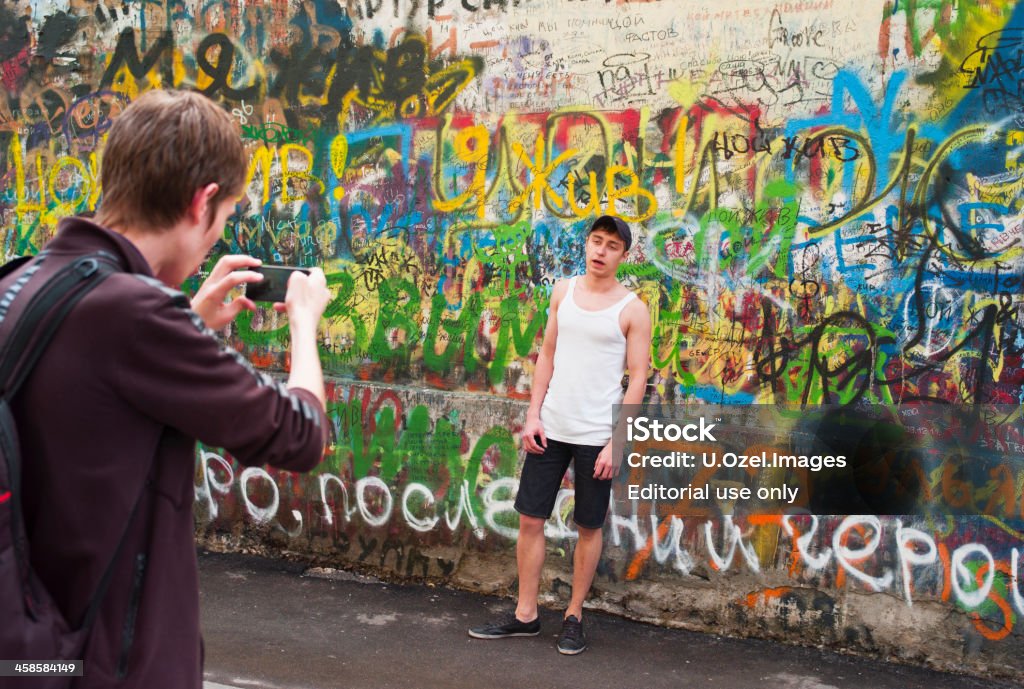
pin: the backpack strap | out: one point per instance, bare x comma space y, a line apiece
13, 265
39, 322
22, 348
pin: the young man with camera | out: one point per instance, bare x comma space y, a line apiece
109, 417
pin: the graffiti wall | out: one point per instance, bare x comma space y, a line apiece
826, 201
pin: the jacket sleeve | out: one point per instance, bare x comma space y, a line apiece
175, 371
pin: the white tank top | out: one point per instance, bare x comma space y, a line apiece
590, 359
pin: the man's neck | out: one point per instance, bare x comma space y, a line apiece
598, 285
160, 249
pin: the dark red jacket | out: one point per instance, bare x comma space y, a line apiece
130, 381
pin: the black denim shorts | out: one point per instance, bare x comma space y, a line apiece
542, 477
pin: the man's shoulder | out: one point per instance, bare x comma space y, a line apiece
132, 305
559, 290
117, 296
636, 310
150, 288
137, 293
632, 303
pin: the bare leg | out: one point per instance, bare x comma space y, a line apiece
530, 562
585, 559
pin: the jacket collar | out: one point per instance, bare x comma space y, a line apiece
78, 235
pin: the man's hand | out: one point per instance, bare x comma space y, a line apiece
531, 431
604, 467
228, 274
307, 297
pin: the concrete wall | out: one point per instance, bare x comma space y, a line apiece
420, 485
826, 199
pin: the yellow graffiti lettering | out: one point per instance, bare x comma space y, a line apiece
304, 174
680, 154
472, 146
440, 92
631, 190
262, 160
594, 197
539, 187
576, 126
82, 190
22, 205
339, 159
94, 174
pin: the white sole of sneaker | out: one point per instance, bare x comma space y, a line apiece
477, 635
567, 652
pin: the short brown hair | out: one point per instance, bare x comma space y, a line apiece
161, 149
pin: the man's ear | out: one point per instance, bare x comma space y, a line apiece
201, 210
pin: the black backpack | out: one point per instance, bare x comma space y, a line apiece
32, 627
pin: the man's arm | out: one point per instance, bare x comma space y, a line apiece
542, 372
638, 357
305, 302
306, 299
172, 370
638, 352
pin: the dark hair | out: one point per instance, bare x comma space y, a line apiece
161, 149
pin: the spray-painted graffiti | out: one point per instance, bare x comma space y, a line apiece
825, 198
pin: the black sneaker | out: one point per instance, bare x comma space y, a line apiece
507, 626
571, 641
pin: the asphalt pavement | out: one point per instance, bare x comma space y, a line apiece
273, 624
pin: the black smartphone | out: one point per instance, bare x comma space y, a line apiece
274, 284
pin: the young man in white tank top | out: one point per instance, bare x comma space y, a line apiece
597, 329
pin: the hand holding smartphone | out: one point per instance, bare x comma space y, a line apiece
274, 285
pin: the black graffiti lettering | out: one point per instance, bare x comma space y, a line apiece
791, 146
127, 55
220, 71
392, 544
416, 559
404, 73
844, 143
354, 70
812, 148
446, 566
720, 144
1007, 308
368, 546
